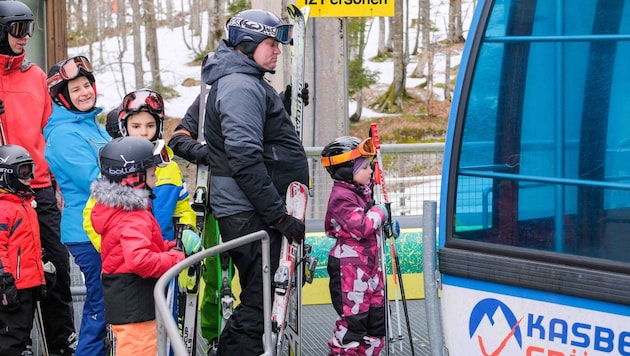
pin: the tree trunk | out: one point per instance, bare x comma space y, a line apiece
455, 27
382, 33
137, 44
392, 100
151, 42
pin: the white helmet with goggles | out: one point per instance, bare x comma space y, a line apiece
142, 100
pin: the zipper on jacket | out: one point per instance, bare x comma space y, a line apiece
19, 258
273, 150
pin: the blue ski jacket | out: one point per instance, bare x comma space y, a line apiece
72, 143
255, 152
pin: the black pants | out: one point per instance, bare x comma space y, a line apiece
243, 333
57, 311
16, 325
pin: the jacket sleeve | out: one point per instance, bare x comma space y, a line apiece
353, 220
94, 236
184, 139
141, 257
76, 155
5, 226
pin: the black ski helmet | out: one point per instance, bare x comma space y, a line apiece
13, 11
58, 84
15, 162
125, 160
338, 157
250, 27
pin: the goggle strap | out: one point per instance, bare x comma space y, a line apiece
341, 158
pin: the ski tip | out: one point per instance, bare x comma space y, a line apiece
295, 11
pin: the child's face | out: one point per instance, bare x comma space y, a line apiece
81, 93
151, 178
141, 124
364, 175
26, 181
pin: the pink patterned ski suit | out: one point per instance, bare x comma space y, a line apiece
356, 284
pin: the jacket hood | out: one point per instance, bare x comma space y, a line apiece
119, 196
226, 60
61, 115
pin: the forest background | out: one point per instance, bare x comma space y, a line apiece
400, 70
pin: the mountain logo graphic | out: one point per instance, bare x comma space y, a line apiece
490, 309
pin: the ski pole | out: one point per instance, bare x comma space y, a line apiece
396, 262
382, 257
378, 177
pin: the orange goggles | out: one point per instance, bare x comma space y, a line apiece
365, 149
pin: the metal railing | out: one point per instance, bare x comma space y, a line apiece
412, 173
167, 326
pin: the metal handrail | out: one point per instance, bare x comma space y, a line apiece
166, 324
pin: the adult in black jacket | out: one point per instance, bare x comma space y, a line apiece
254, 154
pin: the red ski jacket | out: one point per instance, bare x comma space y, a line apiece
20, 247
27, 106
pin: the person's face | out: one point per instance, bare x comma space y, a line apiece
151, 178
267, 52
17, 44
364, 175
141, 124
81, 93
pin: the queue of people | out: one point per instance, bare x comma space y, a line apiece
122, 193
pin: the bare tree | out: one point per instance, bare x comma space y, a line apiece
392, 100
151, 44
424, 19
382, 33
137, 44
455, 27
216, 23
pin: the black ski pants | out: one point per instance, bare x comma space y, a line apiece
57, 311
16, 325
243, 333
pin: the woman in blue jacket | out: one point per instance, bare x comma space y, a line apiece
73, 137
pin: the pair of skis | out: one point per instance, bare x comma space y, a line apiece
208, 228
391, 230
296, 265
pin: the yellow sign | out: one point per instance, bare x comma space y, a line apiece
349, 8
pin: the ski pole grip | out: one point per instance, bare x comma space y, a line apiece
374, 134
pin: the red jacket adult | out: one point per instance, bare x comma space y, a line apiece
133, 252
27, 106
20, 248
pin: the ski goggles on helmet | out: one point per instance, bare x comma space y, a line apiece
160, 156
364, 149
70, 69
282, 33
19, 29
142, 100
24, 170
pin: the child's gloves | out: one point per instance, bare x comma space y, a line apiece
191, 242
383, 208
8, 293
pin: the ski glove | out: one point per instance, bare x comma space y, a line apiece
8, 292
383, 208
286, 98
292, 228
2, 107
191, 242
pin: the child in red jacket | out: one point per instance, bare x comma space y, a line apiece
21, 266
133, 252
